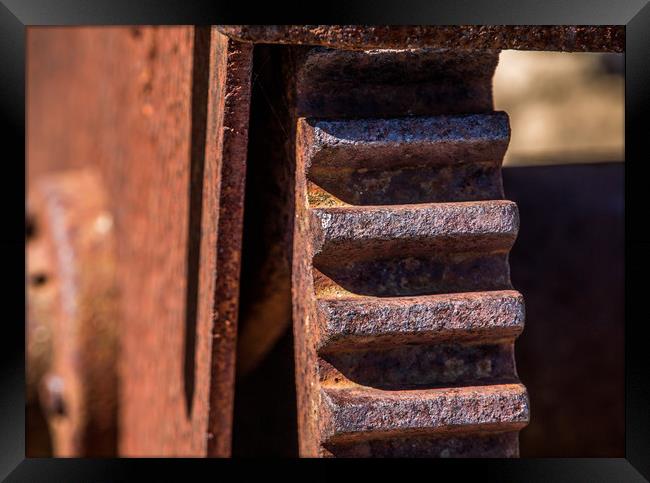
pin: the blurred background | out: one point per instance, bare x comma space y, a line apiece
563, 107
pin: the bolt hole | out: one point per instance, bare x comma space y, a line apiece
58, 407
52, 394
30, 227
39, 279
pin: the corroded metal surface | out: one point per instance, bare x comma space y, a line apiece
72, 334
224, 183
368, 413
120, 100
569, 38
404, 315
396, 82
162, 114
476, 317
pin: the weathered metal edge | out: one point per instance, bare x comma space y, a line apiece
564, 38
224, 183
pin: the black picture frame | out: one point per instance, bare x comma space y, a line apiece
16, 15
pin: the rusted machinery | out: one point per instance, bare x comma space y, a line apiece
403, 316
389, 227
